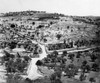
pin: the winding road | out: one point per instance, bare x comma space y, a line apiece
32, 69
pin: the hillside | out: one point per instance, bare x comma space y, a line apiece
51, 26
61, 43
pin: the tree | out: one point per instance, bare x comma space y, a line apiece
33, 23
84, 63
12, 44
88, 68
98, 34
78, 55
58, 36
21, 66
27, 58
92, 80
12, 26
71, 70
63, 60
93, 58
40, 26
39, 63
95, 67
64, 53
71, 56
45, 40
10, 66
54, 54
46, 60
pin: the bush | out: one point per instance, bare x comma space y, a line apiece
39, 63
12, 44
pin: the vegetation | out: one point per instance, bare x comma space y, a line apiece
19, 29
15, 64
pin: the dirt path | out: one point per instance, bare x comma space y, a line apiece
32, 70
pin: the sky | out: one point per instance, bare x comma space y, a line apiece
67, 7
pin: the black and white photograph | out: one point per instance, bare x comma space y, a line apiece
49, 41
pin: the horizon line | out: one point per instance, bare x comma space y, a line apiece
49, 12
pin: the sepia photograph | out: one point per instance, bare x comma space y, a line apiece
49, 41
